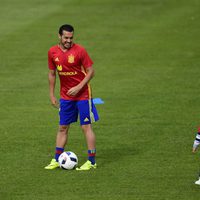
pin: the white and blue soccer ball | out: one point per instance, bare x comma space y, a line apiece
68, 160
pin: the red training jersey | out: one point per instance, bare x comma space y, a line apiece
71, 67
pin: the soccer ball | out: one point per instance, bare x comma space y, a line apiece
68, 160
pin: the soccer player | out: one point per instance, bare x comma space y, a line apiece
195, 145
74, 68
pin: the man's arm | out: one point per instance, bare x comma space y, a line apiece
196, 142
52, 83
89, 75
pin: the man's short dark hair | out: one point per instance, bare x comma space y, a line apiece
66, 27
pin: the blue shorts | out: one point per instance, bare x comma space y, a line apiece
69, 111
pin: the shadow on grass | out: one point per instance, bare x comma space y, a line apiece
122, 153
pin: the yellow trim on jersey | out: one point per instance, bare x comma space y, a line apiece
89, 91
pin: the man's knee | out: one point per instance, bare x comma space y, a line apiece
86, 127
63, 129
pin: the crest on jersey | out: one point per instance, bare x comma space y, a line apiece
59, 67
71, 58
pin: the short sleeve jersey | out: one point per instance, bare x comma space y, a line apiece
71, 67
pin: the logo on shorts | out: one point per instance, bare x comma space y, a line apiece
71, 58
86, 120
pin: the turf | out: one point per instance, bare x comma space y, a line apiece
146, 55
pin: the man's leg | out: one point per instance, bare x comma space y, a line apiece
91, 144
89, 136
61, 141
62, 136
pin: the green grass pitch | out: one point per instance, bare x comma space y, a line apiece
146, 55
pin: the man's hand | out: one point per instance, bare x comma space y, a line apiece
74, 91
54, 102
